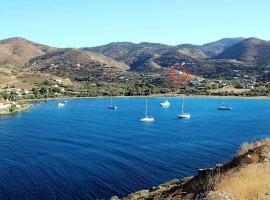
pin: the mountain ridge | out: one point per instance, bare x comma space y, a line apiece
251, 50
16, 52
143, 56
119, 57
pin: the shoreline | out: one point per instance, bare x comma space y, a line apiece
152, 96
23, 108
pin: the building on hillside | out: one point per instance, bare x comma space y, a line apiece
5, 105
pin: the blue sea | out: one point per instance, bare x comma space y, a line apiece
86, 151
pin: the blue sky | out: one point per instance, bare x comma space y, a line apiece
79, 23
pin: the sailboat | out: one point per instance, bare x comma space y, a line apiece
112, 107
165, 104
183, 115
222, 106
61, 105
147, 118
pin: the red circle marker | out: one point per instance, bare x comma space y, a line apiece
175, 69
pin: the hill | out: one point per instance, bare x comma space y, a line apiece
138, 56
21, 54
213, 49
208, 50
16, 52
251, 50
100, 63
149, 56
27, 80
76, 64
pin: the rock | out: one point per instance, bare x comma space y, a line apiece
115, 198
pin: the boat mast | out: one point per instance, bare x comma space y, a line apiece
182, 104
111, 99
221, 103
146, 107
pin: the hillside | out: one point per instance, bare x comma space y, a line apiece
246, 176
26, 80
100, 63
208, 50
144, 56
138, 56
76, 64
251, 50
213, 49
21, 54
16, 52
196, 53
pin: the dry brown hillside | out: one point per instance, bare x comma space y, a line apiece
16, 52
21, 54
252, 50
26, 80
76, 64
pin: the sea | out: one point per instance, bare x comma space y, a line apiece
87, 151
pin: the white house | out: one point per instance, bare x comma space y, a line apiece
5, 106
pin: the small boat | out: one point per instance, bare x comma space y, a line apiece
147, 118
66, 101
165, 104
223, 107
183, 115
61, 105
111, 106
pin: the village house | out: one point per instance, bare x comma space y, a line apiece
5, 105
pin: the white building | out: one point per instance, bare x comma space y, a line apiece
5, 105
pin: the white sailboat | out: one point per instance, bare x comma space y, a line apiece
113, 107
183, 115
165, 104
61, 105
147, 118
222, 106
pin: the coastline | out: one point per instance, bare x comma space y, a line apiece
22, 108
153, 96
29, 102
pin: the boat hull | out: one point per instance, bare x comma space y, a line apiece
184, 116
113, 107
165, 104
148, 119
224, 108
61, 105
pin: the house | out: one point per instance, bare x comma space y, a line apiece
5, 105
59, 81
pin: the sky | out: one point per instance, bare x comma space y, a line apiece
83, 23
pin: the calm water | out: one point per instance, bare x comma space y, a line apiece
85, 151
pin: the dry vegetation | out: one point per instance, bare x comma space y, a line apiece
26, 80
246, 146
229, 89
250, 182
15, 52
